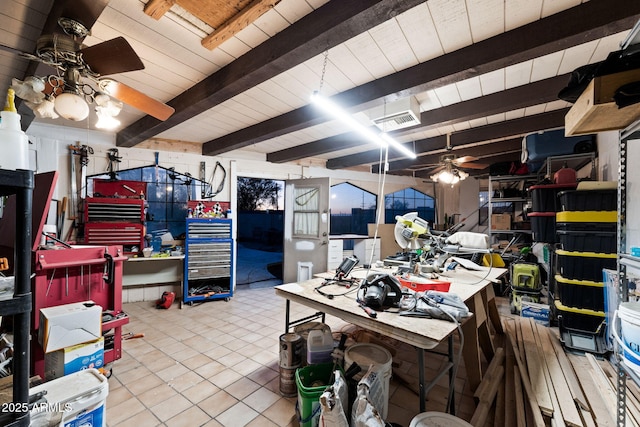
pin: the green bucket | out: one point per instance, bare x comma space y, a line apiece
311, 380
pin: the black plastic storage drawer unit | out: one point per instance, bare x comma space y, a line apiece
583, 265
587, 241
579, 319
543, 225
544, 197
584, 294
588, 200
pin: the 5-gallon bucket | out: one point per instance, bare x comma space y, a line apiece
365, 355
430, 419
77, 399
629, 314
311, 380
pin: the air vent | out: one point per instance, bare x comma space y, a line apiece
396, 115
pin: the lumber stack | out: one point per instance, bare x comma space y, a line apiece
531, 381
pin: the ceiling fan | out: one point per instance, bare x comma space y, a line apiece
78, 76
448, 169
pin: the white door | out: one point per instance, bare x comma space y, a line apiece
306, 228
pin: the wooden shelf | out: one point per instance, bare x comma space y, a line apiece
596, 111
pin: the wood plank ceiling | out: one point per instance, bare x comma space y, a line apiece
239, 73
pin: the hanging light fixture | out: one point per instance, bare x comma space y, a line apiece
381, 138
449, 175
70, 104
336, 111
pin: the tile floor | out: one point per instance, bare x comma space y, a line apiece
217, 364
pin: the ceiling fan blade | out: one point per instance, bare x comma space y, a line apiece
473, 165
465, 159
111, 57
438, 169
136, 99
84, 11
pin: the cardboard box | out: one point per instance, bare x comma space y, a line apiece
501, 221
73, 359
538, 312
68, 325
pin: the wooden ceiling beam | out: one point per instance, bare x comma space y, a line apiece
157, 8
580, 24
330, 25
500, 102
238, 22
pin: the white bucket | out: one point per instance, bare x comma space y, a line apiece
426, 419
629, 315
77, 399
365, 355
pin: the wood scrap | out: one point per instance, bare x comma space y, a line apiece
602, 382
531, 398
496, 362
520, 416
534, 366
569, 373
601, 412
486, 400
510, 402
557, 381
499, 417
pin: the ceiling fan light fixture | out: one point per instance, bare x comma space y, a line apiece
71, 106
449, 176
106, 121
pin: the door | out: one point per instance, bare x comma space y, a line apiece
306, 228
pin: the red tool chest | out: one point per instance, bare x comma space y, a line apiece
116, 215
76, 274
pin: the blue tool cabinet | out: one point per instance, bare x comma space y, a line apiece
208, 264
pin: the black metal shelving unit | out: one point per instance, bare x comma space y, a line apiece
20, 184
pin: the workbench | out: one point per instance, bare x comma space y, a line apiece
144, 279
473, 287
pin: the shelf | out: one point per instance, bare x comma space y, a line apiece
16, 305
630, 260
511, 232
509, 200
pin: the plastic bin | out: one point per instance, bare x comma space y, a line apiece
588, 200
544, 197
580, 293
311, 381
543, 225
583, 265
586, 240
607, 218
79, 398
580, 319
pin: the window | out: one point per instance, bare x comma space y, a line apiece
352, 208
408, 200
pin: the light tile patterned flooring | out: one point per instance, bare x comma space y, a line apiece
217, 364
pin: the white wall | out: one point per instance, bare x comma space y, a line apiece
50, 149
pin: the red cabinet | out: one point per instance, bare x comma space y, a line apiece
76, 274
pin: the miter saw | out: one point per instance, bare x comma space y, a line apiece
431, 248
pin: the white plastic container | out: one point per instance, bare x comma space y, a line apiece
629, 315
319, 346
366, 355
14, 143
79, 397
